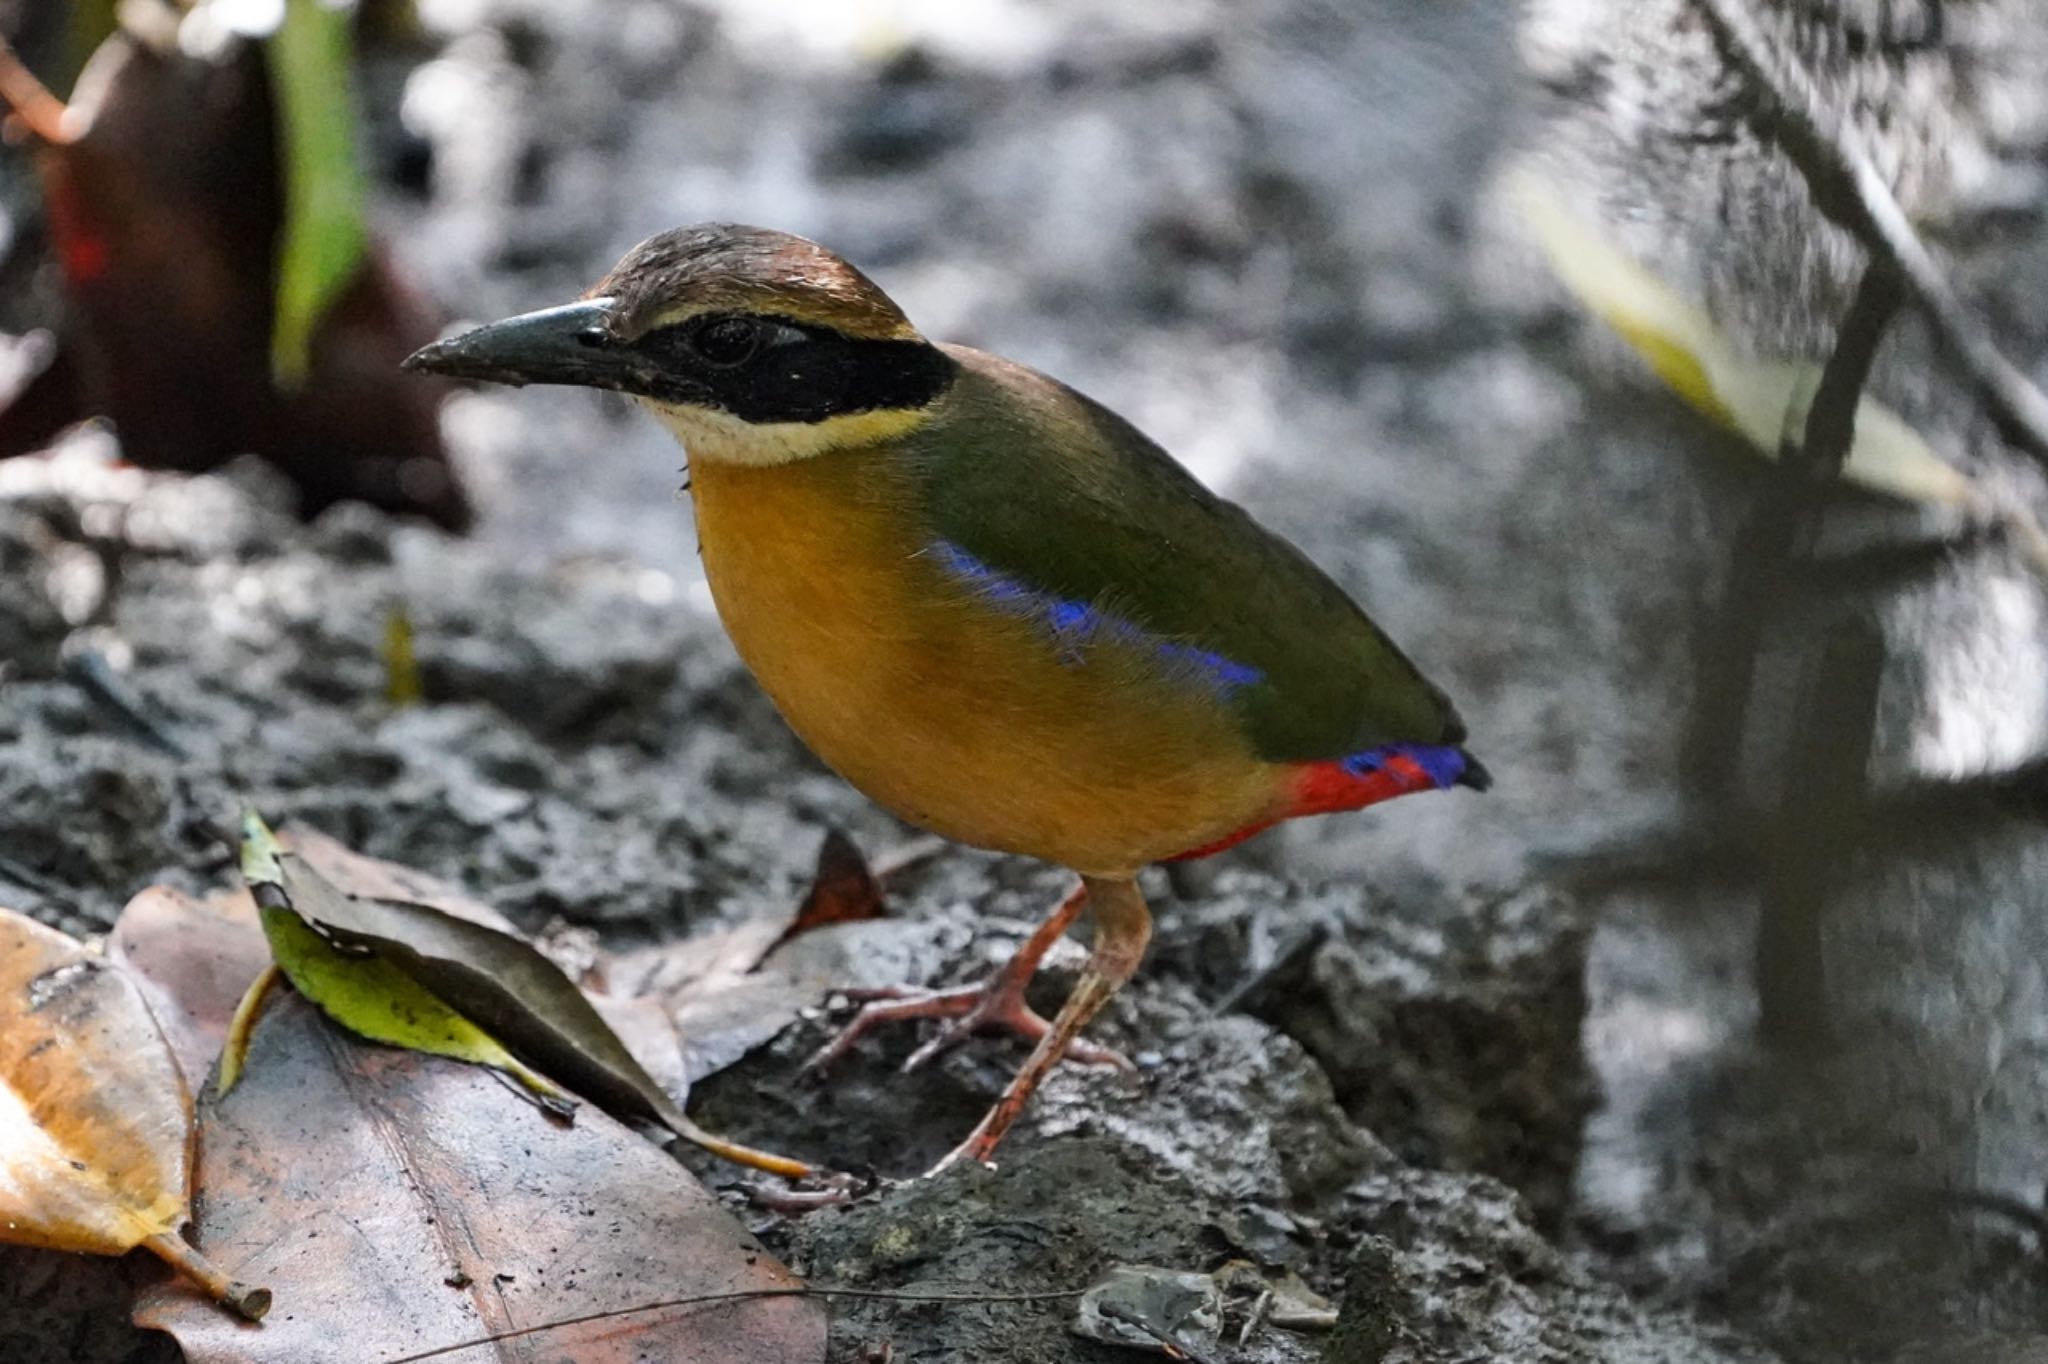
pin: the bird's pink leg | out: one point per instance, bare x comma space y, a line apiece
1122, 928
995, 1005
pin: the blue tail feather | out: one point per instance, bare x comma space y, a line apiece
1446, 764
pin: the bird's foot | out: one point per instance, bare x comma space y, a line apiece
995, 1005
978, 1149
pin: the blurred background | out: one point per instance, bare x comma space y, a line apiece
1780, 803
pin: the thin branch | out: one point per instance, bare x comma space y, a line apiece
1815, 463
39, 110
1831, 418
1776, 546
1291, 954
1846, 185
1827, 759
739, 1296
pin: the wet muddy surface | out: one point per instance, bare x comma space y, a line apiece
1490, 1073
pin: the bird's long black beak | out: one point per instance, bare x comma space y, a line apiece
571, 344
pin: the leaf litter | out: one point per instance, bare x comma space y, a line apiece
324, 1129
412, 975
95, 1119
398, 1202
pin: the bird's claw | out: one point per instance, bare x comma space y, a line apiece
835, 1191
992, 1006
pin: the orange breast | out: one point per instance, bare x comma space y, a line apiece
960, 717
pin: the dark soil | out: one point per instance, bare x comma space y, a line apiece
1491, 1073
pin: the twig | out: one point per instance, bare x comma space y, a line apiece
89, 671
1814, 464
1831, 419
1178, 1349
41, 112
2013, 1209
28, 878
1834, 698
737, 1296
1826, 765
245, 1300
1847, 188
1783, 529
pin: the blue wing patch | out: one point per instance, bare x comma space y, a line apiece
1074, 625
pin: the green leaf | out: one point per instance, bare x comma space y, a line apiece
496, 984
92, 23
365, 993
324, 236
500, 982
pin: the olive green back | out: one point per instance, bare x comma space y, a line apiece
1055, 491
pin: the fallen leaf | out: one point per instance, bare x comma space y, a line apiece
95, 1118
640, 1024
722, 1003
1760, 397
720, 1027
498, 984
398, 1202
723, 993
843, 890
373, 878
363, 989
1174, 1311
192, 959
644, 1026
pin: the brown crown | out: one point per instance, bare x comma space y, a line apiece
729, 267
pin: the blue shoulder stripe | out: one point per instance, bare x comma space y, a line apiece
1074, 625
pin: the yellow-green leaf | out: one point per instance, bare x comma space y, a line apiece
402, 684
324, 236
1761, 398
417, 977
363, 992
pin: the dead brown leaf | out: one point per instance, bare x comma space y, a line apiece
843, 890
397, 1202
373, 878
718, 998
192, 959
731, 991
95, 1119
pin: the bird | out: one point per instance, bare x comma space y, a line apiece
988, 602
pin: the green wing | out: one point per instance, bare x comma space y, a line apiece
1049, 489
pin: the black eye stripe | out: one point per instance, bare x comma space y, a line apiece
792, 372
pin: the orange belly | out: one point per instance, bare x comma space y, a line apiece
958, 716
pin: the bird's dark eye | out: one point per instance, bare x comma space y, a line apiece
727, 341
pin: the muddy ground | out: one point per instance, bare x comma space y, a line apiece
1488, 1070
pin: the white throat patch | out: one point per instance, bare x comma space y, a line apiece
727, 439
